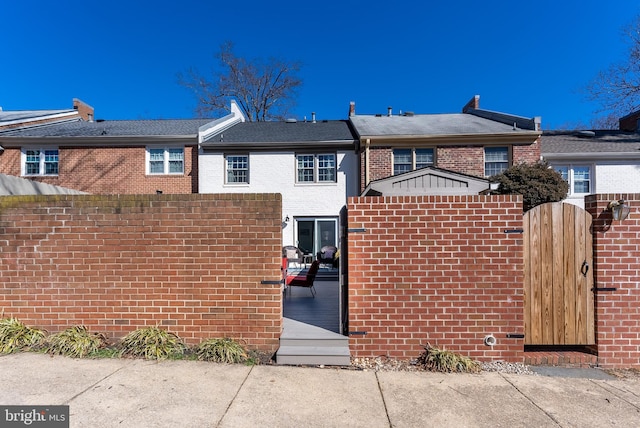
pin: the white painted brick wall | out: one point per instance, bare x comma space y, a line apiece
276, 173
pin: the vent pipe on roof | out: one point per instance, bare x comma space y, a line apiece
313, 117
389, 111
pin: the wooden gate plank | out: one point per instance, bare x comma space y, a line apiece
581, 281
557, 287
569, 276
546, 265
527, 251
534, 334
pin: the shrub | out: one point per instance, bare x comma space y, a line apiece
438, 360
152, 343
537, 183
15, 336
221, 351
75, 342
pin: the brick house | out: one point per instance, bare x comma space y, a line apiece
476, 142
70, 149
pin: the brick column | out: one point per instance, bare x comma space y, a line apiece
616, 253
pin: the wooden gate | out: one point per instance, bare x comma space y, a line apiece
558, 280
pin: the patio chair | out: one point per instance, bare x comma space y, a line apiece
327, 255
308, 279
292, 254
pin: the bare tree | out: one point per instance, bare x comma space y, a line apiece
264, 90
617, 89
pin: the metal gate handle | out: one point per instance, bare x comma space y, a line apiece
584, 269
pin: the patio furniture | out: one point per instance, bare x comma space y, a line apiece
306, 280
327, 254
293, 255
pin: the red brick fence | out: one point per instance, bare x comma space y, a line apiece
200, 266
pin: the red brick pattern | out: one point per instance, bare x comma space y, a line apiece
438, 270
110, 171
193, 264
616, 266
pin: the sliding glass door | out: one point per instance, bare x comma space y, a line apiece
315, 233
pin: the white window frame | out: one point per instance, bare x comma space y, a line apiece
484, 153
571, 176
226, 169
42, 161
414, 162
166, 160
316, 168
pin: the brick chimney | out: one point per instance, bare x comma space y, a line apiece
629, 122
84, 110
474, 103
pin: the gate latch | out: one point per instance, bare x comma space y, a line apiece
584, 268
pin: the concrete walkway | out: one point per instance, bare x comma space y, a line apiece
138, 393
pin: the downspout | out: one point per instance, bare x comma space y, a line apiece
367, 143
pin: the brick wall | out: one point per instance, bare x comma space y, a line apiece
191, 263
438, 270
616, 268
110, 170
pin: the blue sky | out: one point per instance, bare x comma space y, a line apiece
122, 57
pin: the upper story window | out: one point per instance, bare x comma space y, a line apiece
237, 169
578, 177
40, 161
318, 168
496, 160
405, 160
167, 160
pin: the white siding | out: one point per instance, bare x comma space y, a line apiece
276, 173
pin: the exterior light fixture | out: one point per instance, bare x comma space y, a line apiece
619, 209
286, 219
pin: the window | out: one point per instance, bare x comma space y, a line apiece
165, 160
496, 160
40, 162
578, 177
237, 168
405, 160
320, 168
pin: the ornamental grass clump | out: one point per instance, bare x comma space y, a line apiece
221, 351
152, 343
15, 336
76, 342
440, 360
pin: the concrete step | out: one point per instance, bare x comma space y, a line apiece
306, 344
314, 355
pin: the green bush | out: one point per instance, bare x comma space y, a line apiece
439, 360
75, 342
538, 183
15, 336
152, 343
221, 351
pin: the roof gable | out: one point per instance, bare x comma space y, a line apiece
427, 181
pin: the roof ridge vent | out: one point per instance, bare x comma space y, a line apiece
586, 134
291, 120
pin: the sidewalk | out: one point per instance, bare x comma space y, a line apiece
138, 393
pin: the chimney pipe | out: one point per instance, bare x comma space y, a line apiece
352, 108
389, 111
313, 117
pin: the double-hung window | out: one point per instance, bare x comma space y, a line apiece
165, 160
405, 160
40, 162
496, 160
578, 177
316, 168
237, 166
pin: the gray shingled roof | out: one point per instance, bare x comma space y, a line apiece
430, 124
277, 133
113, 128
592, 144
9, 116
